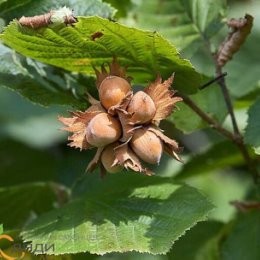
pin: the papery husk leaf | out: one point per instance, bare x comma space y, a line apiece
77, 124
126, 157
171, 147
122, 105
127, 126
162, 97
78, 140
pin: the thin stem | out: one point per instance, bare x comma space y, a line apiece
237, 135
223, 86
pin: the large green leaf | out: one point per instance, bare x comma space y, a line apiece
20, 203
121, 213
200, 243
252, 134
38, 83
11, 9
73, 48
186, 23
243, 242
130, 256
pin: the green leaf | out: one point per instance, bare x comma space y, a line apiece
209, 100
1, 229
38, 83
249, 81
248, 99
122, 212
20, 203
199, 243
206, 15
130, 256
186, 23
252, 135
221, 155
221, 188
243, 242
11, 9
72, 48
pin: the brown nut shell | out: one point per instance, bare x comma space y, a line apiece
112, 90
102, 130
147, 146
142, 108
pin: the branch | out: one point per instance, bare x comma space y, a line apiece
238, 138
211, 121
222, 84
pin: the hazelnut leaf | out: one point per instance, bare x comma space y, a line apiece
73, 49
124, 212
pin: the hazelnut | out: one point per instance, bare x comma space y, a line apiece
122, 125
112, 90
102, 130
108, 158
147, 146
141, 107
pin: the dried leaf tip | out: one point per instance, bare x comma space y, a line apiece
240, 29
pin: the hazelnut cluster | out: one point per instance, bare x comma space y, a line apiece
124, 126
